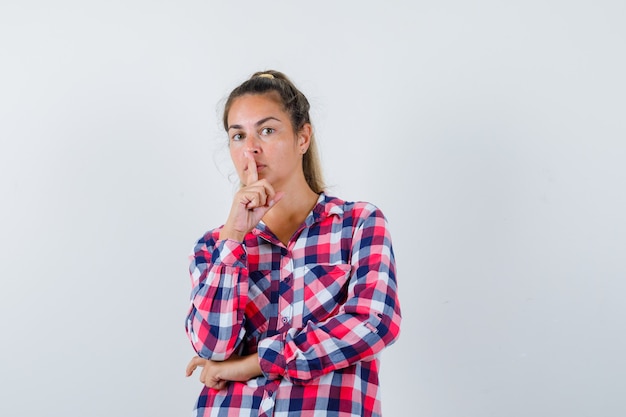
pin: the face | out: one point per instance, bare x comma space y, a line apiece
258, 127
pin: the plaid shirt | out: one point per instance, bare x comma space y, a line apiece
318, 311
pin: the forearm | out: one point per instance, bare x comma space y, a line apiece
217, 374
320, 348
218, 299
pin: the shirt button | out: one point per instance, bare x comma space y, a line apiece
270, 393
285, 319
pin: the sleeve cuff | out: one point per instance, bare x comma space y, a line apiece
271, 357
230, 253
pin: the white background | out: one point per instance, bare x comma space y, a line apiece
492, 134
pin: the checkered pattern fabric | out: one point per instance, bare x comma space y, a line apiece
318, 311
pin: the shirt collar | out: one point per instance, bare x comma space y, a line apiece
325, 207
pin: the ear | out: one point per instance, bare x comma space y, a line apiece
304, 137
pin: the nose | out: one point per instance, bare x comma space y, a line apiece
253, 144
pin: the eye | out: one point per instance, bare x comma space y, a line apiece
267, 131
236, 137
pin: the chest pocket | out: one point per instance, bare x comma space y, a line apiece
325, 290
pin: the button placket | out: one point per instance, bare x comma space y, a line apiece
286, 291
267, 403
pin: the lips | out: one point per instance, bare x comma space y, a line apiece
258, 167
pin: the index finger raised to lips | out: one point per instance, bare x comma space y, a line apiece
252, 174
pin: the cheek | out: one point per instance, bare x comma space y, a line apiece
236, 156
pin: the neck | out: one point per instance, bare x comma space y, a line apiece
293, 204
290, 212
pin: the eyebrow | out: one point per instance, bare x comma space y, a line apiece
260, 122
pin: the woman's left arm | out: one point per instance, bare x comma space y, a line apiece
366, 323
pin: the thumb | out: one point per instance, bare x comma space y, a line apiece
277, 197
259, 212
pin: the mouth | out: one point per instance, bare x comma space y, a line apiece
259, 167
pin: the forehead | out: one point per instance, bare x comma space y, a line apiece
255, 105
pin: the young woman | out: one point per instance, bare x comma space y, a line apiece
294, 296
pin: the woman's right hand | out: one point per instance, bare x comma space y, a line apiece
250, 204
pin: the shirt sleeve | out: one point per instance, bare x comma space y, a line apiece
366, 323
219, 279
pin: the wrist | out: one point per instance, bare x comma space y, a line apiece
228, 233
253, 367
